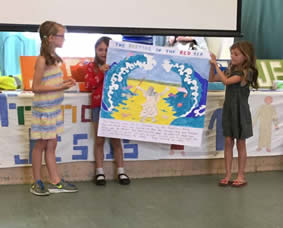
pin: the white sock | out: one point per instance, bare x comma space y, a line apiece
100, 171
121, 170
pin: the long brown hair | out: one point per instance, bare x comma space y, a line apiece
103, 39
46, 29
249, 65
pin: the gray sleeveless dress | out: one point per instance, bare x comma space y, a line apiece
236, 116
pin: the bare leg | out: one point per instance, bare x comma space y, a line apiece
50, 159
242, 154
228, 157
98, 148
39, 147
118, 152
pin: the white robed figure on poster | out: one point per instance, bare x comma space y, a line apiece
150, 109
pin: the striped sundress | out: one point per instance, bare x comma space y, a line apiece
47, 119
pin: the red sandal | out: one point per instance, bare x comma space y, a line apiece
224, 182
239, 183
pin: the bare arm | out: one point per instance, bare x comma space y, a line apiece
38, 87
212, 76
104, 68
184, 39
220, 74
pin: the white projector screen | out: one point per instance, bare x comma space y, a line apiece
152, 17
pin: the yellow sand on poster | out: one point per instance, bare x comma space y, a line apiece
132, 109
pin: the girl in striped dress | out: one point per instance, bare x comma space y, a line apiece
47, 121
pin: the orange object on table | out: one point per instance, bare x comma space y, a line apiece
27, 70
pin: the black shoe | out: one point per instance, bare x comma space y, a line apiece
124, 181
100, 181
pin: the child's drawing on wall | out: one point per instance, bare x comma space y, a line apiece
217, 118
265, 116
150, 109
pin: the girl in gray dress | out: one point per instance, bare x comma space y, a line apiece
236, 119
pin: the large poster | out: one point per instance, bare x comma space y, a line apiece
154, 94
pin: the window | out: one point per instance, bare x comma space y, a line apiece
15, 44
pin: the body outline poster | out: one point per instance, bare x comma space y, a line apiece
154, 94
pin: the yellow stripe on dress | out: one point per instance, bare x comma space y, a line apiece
47, 118
50, 78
